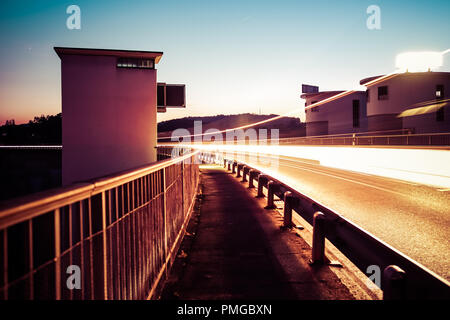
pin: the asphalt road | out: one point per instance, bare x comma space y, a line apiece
413, 218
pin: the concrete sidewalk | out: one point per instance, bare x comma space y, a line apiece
235, 249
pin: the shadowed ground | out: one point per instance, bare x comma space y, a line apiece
235, 249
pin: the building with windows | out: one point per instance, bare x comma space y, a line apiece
110, 99
416, 102
346, 114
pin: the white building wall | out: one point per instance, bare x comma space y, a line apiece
404, 91
335, 117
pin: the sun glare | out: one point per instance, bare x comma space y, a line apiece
419, 61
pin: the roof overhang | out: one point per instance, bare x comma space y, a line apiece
155, 55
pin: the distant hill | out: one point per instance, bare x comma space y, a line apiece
288, 126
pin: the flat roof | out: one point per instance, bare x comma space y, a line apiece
156, 55
320, 94
370, 81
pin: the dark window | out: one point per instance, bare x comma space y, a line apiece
440, 96
315, 109
355, 113
135, 63
439, 92
440, 114
383, 93
368, 95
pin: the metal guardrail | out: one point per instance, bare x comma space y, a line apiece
122, 232
359, 139
362, 248
429, 139
34, 147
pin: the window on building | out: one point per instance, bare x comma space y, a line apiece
440, 114
440, 92
367, 95
315, 109
355, 113
135, 63
383, 93
440, 96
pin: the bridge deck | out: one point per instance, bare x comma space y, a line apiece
235, 249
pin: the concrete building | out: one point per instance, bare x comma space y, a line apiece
109, 107
414, 102
343, 115
410, 100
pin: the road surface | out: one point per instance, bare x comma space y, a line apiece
413, 218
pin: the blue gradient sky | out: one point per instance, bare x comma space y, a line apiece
234, 56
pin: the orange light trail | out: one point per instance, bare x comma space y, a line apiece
337, 96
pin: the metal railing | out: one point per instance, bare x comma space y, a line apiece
426, 139
361, 247
120, 232
357, 139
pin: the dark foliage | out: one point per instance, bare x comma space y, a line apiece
43, 130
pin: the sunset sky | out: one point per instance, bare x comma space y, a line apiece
233, 56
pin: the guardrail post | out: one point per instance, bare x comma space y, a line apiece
318, 243
234, 167
229, 165
251, 175
394, 282
239, 167
245, 171
287, 213
262, 180
271, 186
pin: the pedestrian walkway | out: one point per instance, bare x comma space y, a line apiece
235, 249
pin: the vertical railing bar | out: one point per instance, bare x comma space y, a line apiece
133, 237
117, 226
110, 244
57, 232
183, 205
164, 208
122, 247
5, 262
127, 235
140, 248
141, 241
30, 257
105, 250
91, 257
82, 247
70, 245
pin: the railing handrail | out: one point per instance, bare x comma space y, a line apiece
23, 208
360, 135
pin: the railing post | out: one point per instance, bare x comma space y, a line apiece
251, 175
271, 186
229, 165
239, 167
394, 282
318, 243
224, 163
57, 253
287, 213
262, 180
234, 167
245, 171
